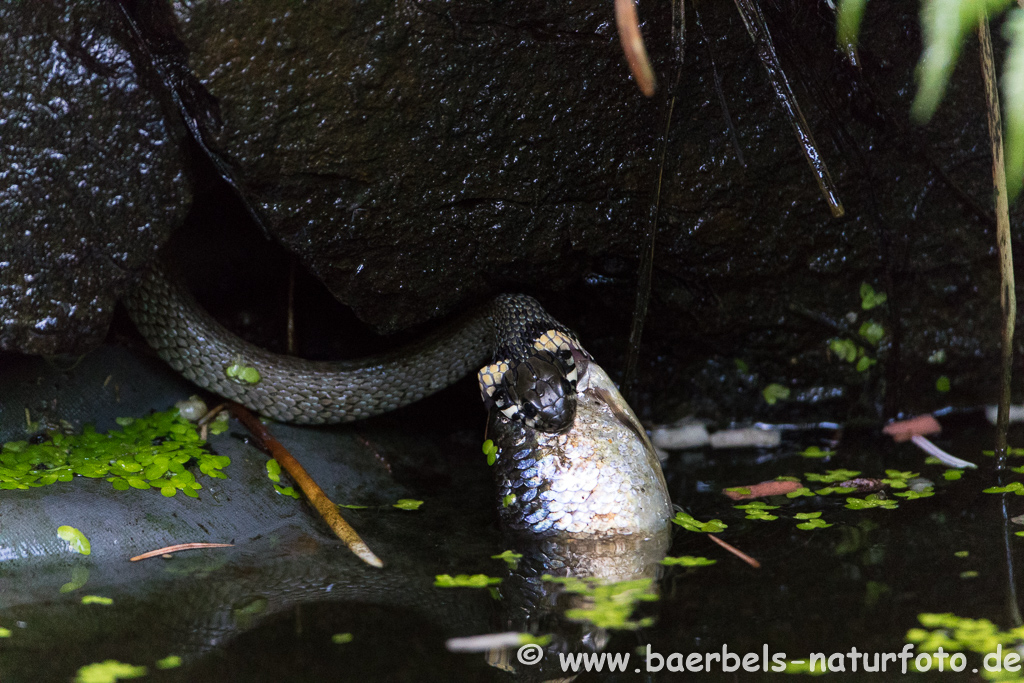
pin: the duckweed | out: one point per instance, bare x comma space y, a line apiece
687, 561
5, 632
245, 374
831, 476
802, 491
96, 600
1012, 487
510, 558
287, 491
612, 603
408, 504
465, 581
872, 501
952, 475
953, 633
812, 520
169, 662
869, 298
491, 451
341, 638
77, 541
79, 576
758, 510
690, 524
773, 393
148, 452
897, 479
108, 671
914, 495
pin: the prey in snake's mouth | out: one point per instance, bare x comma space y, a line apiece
540, 390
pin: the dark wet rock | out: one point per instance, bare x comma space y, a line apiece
419, 156
92, 177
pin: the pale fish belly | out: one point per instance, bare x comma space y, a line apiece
602, 477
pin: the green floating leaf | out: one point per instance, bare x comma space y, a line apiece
742, 490
844, 348
75, 538
243, 373
741, 366
756, 505
869, 298
5, 632
465, 581
1013, 487
774, 393
108, 671
687, 561
872, 501
952, 475
807, 515
341, 638
813, 524
831, 476
510, 558
760, 515
79, 577
169, 662
96, 600
815, 452
802, 491
611, 603
970, 574
491, 451
942, 384
273, 470
508, 500
914, 495
690, 524
408, 504
864, 363
353, 507
529, 639
283, 490
961, 553
872, 332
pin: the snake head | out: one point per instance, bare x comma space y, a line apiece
540, 391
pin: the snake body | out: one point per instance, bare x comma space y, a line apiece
295, 390
567, 462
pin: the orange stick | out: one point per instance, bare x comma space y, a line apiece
314, 494
736, 551
633, 45
176, 548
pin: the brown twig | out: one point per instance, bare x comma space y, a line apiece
633, 46
1007, 296
175, 548
736, 551
314, 494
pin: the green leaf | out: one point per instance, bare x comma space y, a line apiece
813, 524
942, 384
807, 515
914, 495
872, 501
802, 491
1012, 487
465, 581
243, 373
1013, 100
952, 475
815, 452
844, 348
944, 24
872, 332
96, 600
869, 298
831, 476
774, 393
169, 662
690, 524
273, 470
508, 500
687, 561
75, 538
491, 451
108, 671
510, 558
864, 363
341, 638
283, 490
408, 504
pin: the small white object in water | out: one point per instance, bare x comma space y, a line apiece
688, 433
944, 457
1016, 413
484, 642
191, 408
748, 437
